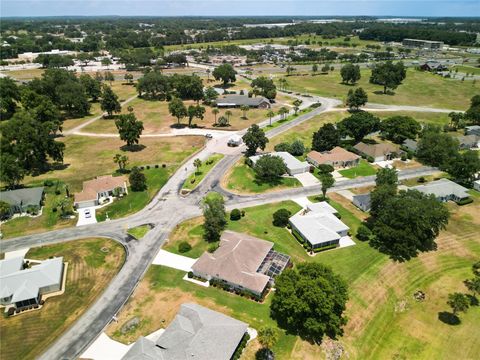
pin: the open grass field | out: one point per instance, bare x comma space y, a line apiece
362, 169
89, 271
197, 176
241, 179
467, 69
26, 74
418, 89
385, 321
86, 157
48, 220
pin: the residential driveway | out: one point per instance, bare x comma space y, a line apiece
174, 261
307, 179
337, 176
83, 220
302, 201
104, 348
16, 253
386, 164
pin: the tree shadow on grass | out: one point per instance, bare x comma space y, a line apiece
448, 318
132, 148
473, 300
380, 92
272, 182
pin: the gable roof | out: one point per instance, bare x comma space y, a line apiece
23, 197
290, 161
334, 155
100, 184
468, 140
376, 150
238, 100
362, 200
237, 260
195, 333
443, 188
410, 144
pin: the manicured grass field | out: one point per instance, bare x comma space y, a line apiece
418, 89
136, 200
197, 176
467, 69
92, 263
49, 220
241, 179
362, 169
139, 231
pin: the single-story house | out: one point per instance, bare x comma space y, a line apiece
472, 130
318, 225
337, 157
476, 185
233, 100
410, 145
433, 66
21, 199
469, 141
444, 190
22, 288
195, 333
362, 201
294, 166
235, 140
242, 262
95, 190
379, 152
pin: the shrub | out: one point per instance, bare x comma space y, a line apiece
363, 233
184, 247
280, 217
282, 147
465, 201
297, 148
57, 192
48, 183
164, 165
190, 274
156, 166
212, 247
243, 213
148, 167
370, 159
325, 168
235, 214
421, 180
54, 209
403, 157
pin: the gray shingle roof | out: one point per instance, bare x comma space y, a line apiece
23, 197
239, 100
443, 188
195, 333
290, 161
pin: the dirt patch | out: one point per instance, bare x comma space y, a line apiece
303, 350
348, 205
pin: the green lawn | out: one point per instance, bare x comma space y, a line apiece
92, 263
467, 69
241, 179
139, 231
49, 220
418, 89
362, 169
197, 176
136, 200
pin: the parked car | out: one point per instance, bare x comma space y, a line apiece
87, 213
208, 136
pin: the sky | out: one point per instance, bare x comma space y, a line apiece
238, 8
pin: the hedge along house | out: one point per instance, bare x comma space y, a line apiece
23, 288
337, 157
234, 101
22, 200
318, 226
242, 263
195, 333
96, 191
294, 166
444, 190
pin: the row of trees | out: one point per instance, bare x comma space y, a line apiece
460, 302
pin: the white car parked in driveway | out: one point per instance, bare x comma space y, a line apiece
87, 214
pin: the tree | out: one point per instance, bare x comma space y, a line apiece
129, 128
476, 269
5, 210
473, 113
325, 68
399, 128
210, 95
326, 138
137, 179
177, 108
296, 105
92, 86
128, 77
197, 163
9, 96
267, 336
350, 73
106, 62
110, 103
473, 285
270, 114
108, 76
464, 166
296, 148
269, 168
356, 98
121, 161
456, 118
267, 87
364, 233
222, 121
327, 181
309, 301
244, 109
282, 112
388, 74
225, 73
195, 111
228, 114
408, 223
215, 112
12, 172
215, 217
154, 85
254, 138
359, 125
290, 70
281, 217
72, 98
314, 69
386, 176
436, 148
386, 181
458, 302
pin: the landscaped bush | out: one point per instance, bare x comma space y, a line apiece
363, 233
325, 168
280, 217
465, 201
190, 274
370, 159
156, 166
297, 148
235, 214
148, 167
238, 352
403, 157
164, 166
421, 180
282, 147
184, 247
212, 247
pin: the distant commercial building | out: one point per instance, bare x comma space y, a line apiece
423, 44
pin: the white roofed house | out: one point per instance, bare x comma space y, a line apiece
23, 288
294, 166
318, 226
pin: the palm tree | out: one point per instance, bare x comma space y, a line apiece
208, 75
197, 163
282, 112
296, 105
270, 114
215, 112
228, 113
255, 92
244, 109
